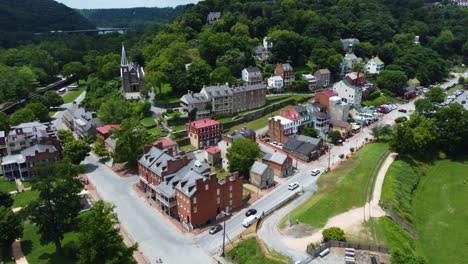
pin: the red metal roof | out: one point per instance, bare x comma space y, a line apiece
105, 129
203, 123
290, 114
212, 150
329, 93
165, 142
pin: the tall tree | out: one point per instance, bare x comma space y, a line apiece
99, 241
113, 111
10, 227
5, 199
40, 111
241, 155
76, 151
393, 81
75, 69
52, 99
22, 116
436, 95
4, 122
55, 210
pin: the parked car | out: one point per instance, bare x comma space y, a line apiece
215, 229
315, 172
402, 110
463, 102
250, 212
293, 186
250, 220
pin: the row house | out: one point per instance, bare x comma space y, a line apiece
185, 189
286, 123
204, 133
275, 83
281, 163
80, 121
285, 70
24, 165
223, 100
350, 93
304, 148
375, 65
244, 132
252, 75
350, 60
339, 110
26, 135
313, 118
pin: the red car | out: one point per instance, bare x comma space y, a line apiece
402, 110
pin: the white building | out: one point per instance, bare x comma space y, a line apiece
375, 65
252, 75
275, 83
349, 93
338, 109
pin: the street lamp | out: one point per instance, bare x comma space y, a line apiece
223, 254
329, 155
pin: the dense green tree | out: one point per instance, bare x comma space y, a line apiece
221, 75
364, 50
241, 155
310, 132
52, 99
333, 233
40, 111
100, 149
287, 46
380, 131
4, 122
76, 151
424, 106
76, 69
334, 136
234, 60
393, 81
55, 210
22, 116
451, 123
156, 79
65, 136
198, 74
11, 227
131, 139
139, 109
113, 111
108, 66
436, 95
100, 241
5, 199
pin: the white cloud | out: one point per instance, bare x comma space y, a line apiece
123, 3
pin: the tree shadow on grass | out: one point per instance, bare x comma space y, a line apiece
69, 255
26, 246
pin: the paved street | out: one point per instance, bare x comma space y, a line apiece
156, 236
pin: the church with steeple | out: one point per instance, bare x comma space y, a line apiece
132, 76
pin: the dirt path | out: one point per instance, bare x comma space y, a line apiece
352, 218
18, 253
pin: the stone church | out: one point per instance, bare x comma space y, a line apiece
132, 76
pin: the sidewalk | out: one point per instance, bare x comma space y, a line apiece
18, 253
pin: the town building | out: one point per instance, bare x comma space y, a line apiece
323, 78
304, 148
355, 78
213, 156
29, 134
349, 61
223, 100
348, 43
281, 163
375, 65
313, 118
81, 122
213, 17
286, 123
132, 76
104, 132
167, 145
261, 175
285, 70
244, 132
339, 110
3, 145
323, 97
184, 188
275, 84
203, 133
350, 93
341, 126
24, 165
311, 81
252, 75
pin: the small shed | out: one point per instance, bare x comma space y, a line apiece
213, 155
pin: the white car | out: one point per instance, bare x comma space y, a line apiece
293, 186
315, 172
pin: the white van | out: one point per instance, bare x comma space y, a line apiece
250, 220
63, 90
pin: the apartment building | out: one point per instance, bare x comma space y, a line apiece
285, 70
203, 133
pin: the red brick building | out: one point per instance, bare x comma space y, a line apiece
324, 97
356, 79
285, 70
203, 133
185, 188
281, 163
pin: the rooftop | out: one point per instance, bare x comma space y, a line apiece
165, 142
213, 150
252, 69
105, 129
276, 157
329, 92
284, 121
203, 123
259, 168
31, 151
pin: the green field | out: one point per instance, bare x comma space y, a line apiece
341, 189
37, 253
148, 122
255, 124
72, 95
22, 199
7, 186
437, 208
178, 128
249, 252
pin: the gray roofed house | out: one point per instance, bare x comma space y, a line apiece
261, 175
348, 43
29, 134
31, 151
245, 132
276, 157
213, 17
252, 75
80, 121
304, 147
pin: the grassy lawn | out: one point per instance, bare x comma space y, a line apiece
249, 252
454, 89
220, 174
7, 186
165, 96
187, 148
178, 128
148, 121
255, 124
72, 95
383, 99
341, 189
37, 253
437, 207
22, 199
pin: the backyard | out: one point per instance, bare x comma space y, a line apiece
437, 207
343, 188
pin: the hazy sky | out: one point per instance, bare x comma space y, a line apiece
123, 3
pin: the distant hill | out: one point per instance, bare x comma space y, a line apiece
20, 19
130, 17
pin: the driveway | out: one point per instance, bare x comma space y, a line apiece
156, 236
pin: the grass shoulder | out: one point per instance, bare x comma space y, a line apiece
72, 95
248, 251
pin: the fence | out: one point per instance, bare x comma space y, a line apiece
401, 223
332, 243
269, 211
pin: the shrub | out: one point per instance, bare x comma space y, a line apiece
333, 233
400, 119
341, 156
170, 111
351, 149
313, 245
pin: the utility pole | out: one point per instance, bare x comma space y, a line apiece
224, 233
329, 154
